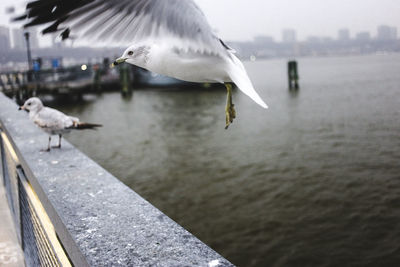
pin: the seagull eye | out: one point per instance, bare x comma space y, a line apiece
29, 104
130, 53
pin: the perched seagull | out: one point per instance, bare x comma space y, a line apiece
169, 37
53, 121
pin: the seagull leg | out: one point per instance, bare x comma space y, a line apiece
59, 142
48, 146
230, 112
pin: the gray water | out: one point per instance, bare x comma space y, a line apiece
312, 181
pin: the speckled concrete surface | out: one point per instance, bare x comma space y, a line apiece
100, 221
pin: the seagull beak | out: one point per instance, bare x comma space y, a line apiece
118, 61
21, 108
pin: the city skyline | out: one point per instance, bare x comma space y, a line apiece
249, 18
288, 35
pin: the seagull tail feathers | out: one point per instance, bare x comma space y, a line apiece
239, 76
86, 125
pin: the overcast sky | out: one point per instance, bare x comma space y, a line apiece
237, 20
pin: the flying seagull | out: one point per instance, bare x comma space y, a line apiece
53, 121
168, 37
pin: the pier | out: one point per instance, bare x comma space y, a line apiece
73, 80
69, 211
80, 79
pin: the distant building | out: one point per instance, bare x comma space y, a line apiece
313, 39
33, 35
326, 39
18, 38
4, 38
263, 39
387, 33
343, 35
394, 33
289, 36
19, 41
363, 36
56, 41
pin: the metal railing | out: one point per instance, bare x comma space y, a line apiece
36, 233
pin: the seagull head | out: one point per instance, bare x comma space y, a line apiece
32, 104
135, 55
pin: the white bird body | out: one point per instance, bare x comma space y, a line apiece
52, 121
188, 66
193, 66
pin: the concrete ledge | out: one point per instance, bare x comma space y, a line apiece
99, 220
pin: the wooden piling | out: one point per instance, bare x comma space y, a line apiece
293, 76
125, 79
97, 78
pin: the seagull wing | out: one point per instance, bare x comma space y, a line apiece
127, 21
52, 119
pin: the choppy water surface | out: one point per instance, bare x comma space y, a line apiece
313, 181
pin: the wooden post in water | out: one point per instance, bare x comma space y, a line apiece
124, 76
293, 76
97, 78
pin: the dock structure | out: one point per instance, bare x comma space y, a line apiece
69, 211
73, 80
78, 80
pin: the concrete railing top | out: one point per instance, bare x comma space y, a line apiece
99, 220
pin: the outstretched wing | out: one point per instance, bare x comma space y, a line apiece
124, 21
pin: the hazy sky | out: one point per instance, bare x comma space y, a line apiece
243, 19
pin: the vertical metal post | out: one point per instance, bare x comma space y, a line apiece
28, 51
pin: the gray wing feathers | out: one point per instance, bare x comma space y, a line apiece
134, 20
52, 119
